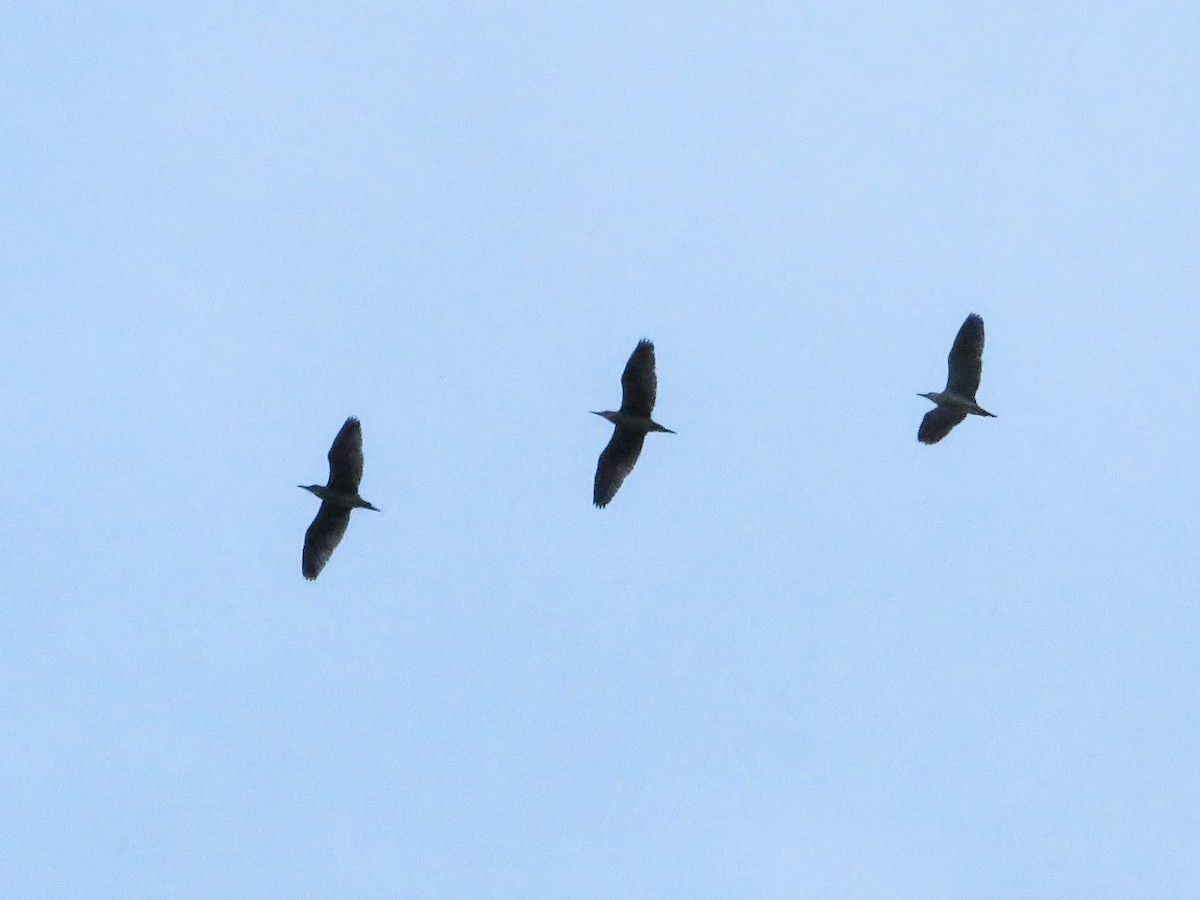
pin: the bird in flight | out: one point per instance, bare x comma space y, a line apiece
338, 497
957, 401
639, 387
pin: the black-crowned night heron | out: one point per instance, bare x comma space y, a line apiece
957, 401
338, 497
639, 387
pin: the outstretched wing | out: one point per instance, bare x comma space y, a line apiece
346, 458
322, 537
937, 424
616, 462
965, 362
639, 385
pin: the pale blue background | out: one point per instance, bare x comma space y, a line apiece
800, 655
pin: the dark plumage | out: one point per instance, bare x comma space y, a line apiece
338, 497
616, 462
964, 368
937, 423
639, 388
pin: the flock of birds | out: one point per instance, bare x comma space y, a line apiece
631, 423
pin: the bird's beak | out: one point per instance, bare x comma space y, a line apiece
594, 413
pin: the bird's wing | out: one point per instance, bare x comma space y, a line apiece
937, 424
322, 537
965, 362
616, 462
346, 458
639, 386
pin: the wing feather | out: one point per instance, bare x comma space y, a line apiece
965, 362
346, 458
639, 384
937, 424
616, 462
322, 538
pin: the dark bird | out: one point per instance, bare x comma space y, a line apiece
639, 387
338, 497
957, 401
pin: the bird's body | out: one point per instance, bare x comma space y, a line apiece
639, 390
957, 401
644, 424
338, 497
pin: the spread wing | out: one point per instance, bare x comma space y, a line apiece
937, 424
639, 386
346, 459
322, 537
965, 362
616, 462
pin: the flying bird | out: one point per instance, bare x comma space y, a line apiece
957, 401
639, 387
338, 497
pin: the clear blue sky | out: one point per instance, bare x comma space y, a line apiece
800, 655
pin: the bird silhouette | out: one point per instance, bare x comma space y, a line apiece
338, 496
957, 401
639, 388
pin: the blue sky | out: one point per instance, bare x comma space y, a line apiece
800, 655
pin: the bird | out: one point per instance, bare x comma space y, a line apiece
965, 365
639, 386
338, 497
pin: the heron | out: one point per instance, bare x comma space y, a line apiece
957, 401
639, 387
338, 497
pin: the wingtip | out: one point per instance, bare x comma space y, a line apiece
974, 319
